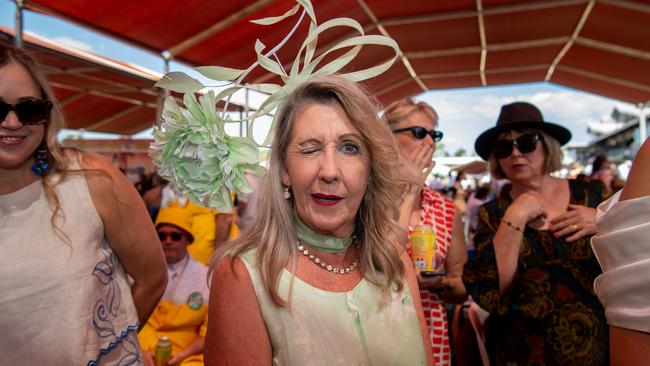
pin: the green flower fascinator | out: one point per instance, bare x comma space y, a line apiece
191, 148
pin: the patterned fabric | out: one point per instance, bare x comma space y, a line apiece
550, 314
437, 211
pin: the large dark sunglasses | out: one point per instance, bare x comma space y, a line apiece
525, 144
29, 112
174, 236
420, 132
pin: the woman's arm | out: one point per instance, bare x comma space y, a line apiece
194, 348
508, 238
456, 258
413, 172
628, 347
236, 330
638, 182
129, 232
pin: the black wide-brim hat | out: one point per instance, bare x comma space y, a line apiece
518, 116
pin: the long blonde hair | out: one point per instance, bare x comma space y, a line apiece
400, 109
57, 161
272, 233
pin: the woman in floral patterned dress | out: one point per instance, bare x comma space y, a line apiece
413, 125
534, 268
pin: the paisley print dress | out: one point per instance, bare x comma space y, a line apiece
550, 314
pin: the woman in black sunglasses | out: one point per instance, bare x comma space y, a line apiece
534, 268
72, 228
414, 127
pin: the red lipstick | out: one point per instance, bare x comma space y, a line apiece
326, 199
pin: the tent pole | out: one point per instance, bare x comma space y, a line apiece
247, 109
167, 56
642, 123
162, 93
19, 23
241, 123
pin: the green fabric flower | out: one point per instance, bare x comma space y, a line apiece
191, 148
201, 161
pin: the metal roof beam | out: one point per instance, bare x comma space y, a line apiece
103, 95
609, 79
481, 32
392, 86
494, 47
574, 36
400, 54
72, 70
630, 5
53, 70
67, 100
495, 10
217, 27
510, 46
489, 71
609, 47
112, 118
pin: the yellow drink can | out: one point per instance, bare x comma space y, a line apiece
423, 248
163, 351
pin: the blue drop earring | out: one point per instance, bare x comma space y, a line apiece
41, 165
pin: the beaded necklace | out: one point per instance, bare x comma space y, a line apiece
329, 244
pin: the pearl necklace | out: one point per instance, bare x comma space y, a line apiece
322, 264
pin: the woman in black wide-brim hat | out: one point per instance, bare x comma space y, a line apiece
534, 267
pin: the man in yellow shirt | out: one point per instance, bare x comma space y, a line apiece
182, 312
210, 228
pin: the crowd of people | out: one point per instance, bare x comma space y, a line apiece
314, 265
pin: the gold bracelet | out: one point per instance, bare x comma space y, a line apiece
512, 225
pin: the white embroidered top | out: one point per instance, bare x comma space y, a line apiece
63, 302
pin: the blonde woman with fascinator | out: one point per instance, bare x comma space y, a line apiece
414, 127
319, 278
72, 229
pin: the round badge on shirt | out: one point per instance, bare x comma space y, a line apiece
195, 300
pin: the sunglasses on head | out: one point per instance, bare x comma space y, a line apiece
525, 144
420, 132
29, 112
174, 236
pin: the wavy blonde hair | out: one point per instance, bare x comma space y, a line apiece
272, 233
57, 161
402, 108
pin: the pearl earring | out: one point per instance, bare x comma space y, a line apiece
287, 193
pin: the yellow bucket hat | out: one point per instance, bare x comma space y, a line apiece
177, 216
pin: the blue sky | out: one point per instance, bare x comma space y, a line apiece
464, 113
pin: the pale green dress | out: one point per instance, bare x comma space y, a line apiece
358, 327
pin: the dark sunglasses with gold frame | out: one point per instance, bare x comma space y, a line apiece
29, 111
